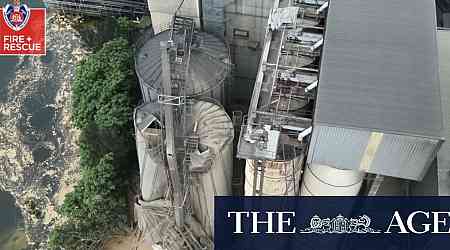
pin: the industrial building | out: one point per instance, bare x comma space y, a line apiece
365, 117
443, 160
385, 71
335, 98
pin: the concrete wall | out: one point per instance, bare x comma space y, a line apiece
214, 17
247, 17
163, 11
245, 27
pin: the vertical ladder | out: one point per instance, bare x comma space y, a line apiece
171, 155
175, 58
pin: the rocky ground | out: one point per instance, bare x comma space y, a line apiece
38, 152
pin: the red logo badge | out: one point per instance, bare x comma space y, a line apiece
22, 30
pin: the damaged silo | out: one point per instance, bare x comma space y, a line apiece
210, 165
150, 152
184, 137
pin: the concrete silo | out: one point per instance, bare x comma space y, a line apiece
149, 147
209, 67
210, 166
323, 180
212, 161
273, 178
182, 74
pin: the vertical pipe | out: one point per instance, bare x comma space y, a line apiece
261, 168
255, 177
200, 13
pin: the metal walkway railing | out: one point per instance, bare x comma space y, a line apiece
131, 8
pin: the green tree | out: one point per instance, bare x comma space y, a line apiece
94, 209
104, 87
97, 199
103, 97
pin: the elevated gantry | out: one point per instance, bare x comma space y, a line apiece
281, 109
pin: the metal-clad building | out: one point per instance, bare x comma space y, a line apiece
378, 106
444, 75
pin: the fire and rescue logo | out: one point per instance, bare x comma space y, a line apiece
16, 15
22, 30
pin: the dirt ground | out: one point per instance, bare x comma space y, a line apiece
127, 242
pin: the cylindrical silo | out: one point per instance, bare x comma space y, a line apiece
323, 180
273, 178
212, 161
209, 67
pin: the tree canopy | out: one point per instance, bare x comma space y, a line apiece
93, 210
104, 93
103, 87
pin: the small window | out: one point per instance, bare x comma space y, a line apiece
240, 33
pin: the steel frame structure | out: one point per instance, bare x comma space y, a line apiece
284, 81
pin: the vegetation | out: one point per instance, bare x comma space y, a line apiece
101, 90
97, 31
104, 94
94, 209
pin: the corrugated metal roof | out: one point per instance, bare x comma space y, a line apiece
444, 74
379, 68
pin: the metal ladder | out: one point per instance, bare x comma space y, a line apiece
190, 145
175, 59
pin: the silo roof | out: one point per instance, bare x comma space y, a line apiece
208, 68
379, 69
